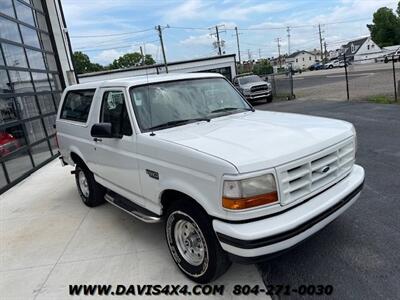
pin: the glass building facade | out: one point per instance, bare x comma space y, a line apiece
30, 89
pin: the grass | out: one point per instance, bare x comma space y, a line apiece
382, 100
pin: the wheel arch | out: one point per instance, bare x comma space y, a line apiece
170, 196
77, 158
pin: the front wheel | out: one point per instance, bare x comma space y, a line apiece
91, 192
269, 99
193, 244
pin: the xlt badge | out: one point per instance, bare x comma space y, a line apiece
152, 174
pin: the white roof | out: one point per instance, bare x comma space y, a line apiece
139, 80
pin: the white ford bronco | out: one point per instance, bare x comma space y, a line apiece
228, 181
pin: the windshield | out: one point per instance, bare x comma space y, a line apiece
167, 104
248, 79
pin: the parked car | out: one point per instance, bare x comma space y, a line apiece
316, 66
228, 181
8, 143
392, 56
334, 64
253, 87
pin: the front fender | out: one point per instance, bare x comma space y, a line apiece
206, 194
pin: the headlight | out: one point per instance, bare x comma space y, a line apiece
251, 192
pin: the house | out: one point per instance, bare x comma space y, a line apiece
363, 50
301, 59
334, 54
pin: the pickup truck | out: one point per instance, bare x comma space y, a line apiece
230, 183
253, 88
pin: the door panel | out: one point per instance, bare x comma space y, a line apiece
115, 158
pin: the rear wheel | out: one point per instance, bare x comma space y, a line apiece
91, 192
193, 244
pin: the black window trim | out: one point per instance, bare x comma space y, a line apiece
94, 90
116, 89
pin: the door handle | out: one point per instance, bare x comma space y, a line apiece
97, 139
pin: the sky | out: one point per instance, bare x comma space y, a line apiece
107, 29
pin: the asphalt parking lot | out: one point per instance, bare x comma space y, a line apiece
358, 254
365, 81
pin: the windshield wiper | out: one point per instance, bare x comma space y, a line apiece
231, 109
178, 122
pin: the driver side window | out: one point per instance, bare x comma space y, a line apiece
114, 111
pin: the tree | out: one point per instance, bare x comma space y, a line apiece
83, 64
130, 60
385, 30
263, 67
148, 60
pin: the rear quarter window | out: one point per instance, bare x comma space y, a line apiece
76, 105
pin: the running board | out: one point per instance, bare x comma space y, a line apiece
132, 208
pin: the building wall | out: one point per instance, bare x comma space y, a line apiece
216, 64
302, 61
31, 82
368, 52
60, 32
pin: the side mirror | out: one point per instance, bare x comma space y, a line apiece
102, 130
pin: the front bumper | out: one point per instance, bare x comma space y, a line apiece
284, 230
257, 96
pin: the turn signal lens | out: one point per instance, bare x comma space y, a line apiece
243, 203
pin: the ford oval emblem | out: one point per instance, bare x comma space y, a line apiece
325, 169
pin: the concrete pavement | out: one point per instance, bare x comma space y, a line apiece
49, 240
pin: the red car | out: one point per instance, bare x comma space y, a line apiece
8, 143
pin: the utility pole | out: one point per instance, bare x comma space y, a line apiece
259, 53
346, 76
325, 52
237, 41
218, 42
158, 28
320, 40
249, 55
288, 39
278, 40
141, 53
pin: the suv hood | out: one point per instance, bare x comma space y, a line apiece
259, 140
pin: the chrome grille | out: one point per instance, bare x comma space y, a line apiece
310, 175
259, 88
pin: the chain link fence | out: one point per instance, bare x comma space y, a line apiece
377, 80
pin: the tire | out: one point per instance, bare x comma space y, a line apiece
193, 244
330, 67
91, 192
269, 99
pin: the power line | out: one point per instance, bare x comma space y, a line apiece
110, 42
111, 34
208, 28
112, 48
